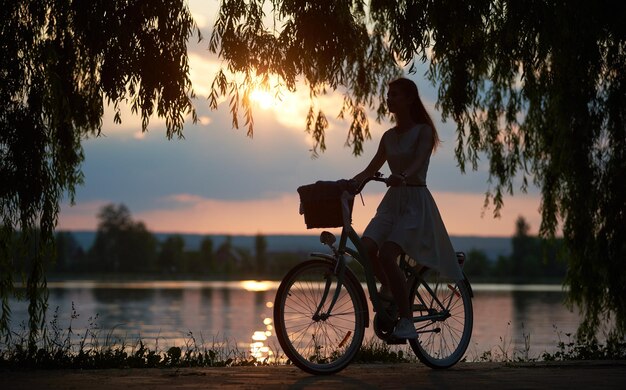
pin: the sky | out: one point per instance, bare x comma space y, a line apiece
217, 180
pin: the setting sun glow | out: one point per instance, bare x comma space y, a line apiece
265, 99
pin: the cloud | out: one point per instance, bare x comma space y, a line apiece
462, 213
203, 12
203, 66
184, 199
81, 216
218, 180
275, 215
217, 162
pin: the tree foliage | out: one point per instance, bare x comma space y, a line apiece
69, 254
62, 61
537, 87
172, 253
260, 253
325, 44
122, 244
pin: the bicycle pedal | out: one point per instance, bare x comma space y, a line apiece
395, 341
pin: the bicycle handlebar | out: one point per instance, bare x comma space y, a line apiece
377, 177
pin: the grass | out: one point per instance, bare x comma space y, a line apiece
63, 348
568, 348
571, 349
375, 350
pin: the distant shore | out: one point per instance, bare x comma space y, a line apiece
491, 246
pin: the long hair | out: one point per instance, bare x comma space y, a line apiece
418, 111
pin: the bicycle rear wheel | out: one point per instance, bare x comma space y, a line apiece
447, 307
313, 339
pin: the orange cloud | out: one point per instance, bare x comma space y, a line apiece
463, 214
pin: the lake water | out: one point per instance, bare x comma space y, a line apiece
506, 318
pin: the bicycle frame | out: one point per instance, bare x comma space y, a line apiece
348, 233
359, 254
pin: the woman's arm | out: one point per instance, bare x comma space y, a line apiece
374, 166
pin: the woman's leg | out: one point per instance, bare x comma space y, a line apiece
388, 256
372, 252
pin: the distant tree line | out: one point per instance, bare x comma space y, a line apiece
124, 247
532, 260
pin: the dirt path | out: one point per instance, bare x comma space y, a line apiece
571, 375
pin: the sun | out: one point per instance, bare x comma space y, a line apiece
288, 107
265, 99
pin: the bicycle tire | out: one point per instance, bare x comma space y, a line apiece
442, 342
319, 346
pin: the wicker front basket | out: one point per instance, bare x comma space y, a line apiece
321, 204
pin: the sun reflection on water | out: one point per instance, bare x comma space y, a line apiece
258, 285
258, 348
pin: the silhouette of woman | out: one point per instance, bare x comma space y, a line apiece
407, 219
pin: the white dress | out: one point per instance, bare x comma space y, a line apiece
408, 215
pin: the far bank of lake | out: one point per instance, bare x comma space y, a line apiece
493, 247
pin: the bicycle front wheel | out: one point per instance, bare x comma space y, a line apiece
316, 337
444, 308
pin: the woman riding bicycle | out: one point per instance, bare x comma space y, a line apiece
407, 219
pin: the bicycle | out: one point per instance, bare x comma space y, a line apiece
321, 311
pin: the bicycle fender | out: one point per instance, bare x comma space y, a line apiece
321, 255
469, 286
